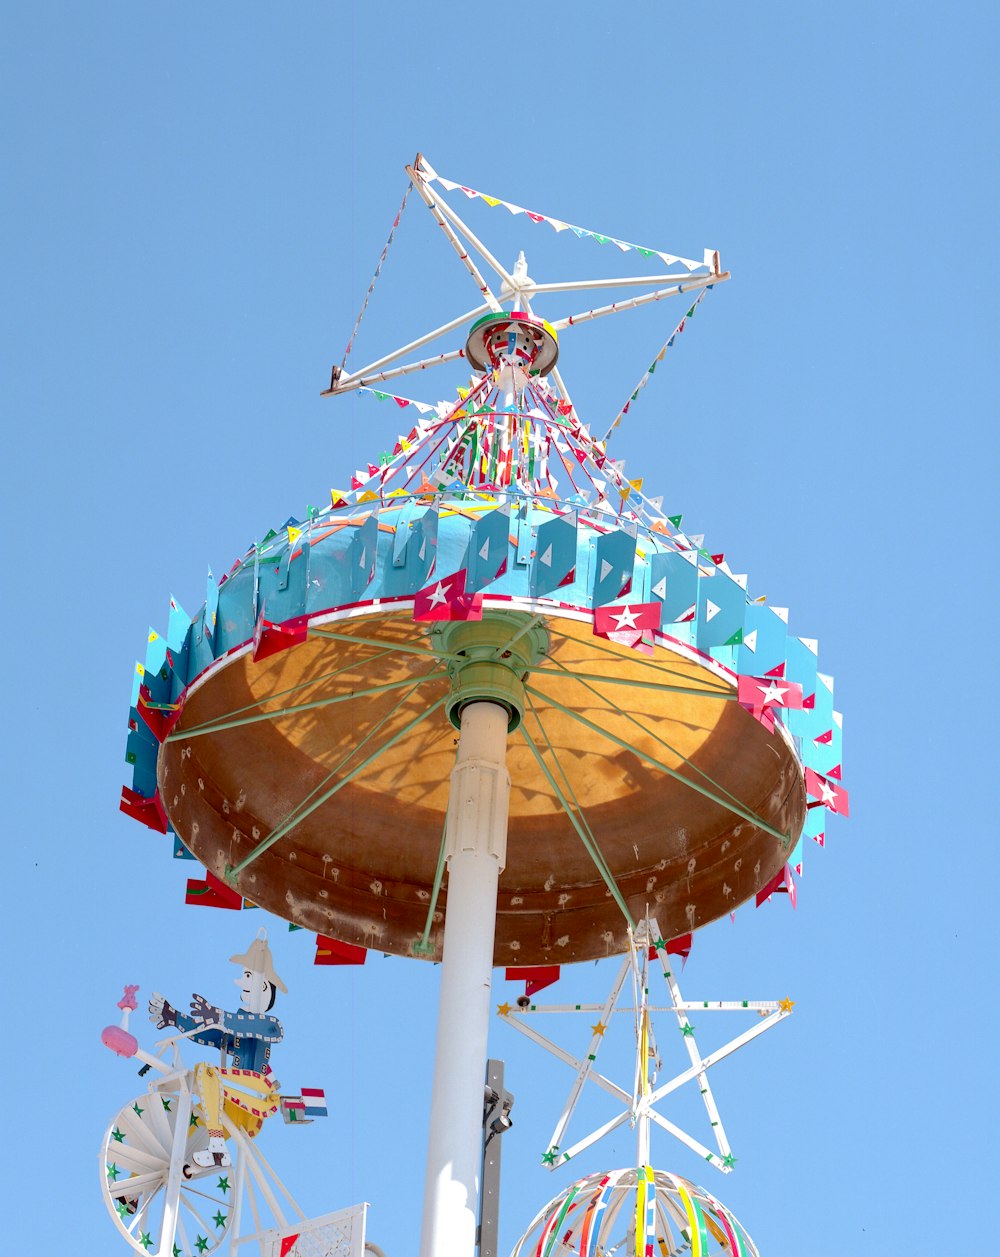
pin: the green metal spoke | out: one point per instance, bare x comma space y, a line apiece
292, 689
640, 662
724, 695
649, 732
404, 647
731, 805
423, 947
219, 726
525, 628
602, 863
306, 808
582, 829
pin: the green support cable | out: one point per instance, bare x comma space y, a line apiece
423, 947
300, 813
292, 689
723, 687
219, 726
525, 628
723, 695
731, 806
591, 848
649, 732
404, 647
603, 864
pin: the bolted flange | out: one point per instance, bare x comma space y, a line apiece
488, 659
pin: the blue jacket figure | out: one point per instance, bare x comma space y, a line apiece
244, 1090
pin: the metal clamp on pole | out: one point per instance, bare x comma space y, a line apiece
497, 1104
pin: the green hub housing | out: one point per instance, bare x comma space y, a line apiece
488, 660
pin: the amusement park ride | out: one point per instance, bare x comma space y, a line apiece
641, 747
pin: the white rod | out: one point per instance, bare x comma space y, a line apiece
358, 381
171, 1199
257, 1174
399, 353
568, 1059
580, 285
693, 1005
691, 285
713, 1058
477, 841
610, 1125
586, 1065
437, 209
476, 243
236, 1212
688, 1141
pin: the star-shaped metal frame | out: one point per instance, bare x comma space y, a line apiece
638, 1105
517, 288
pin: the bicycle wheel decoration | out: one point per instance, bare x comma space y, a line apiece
136, 1159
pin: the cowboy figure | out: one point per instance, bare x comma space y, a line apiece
243, 1090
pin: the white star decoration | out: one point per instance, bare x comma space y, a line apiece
438, 596
638, 1105
774, 693
625, 618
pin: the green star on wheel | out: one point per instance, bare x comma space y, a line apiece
201, 1243
113, 1172
223, 1184
549, 1158
660, 944
177, 1251
193, 1120
687, 1030
729, 1160
117, 1136
146, 1240
121, 1208
220, 1219
136, 1110
165, 1102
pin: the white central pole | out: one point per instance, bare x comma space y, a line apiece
477, 846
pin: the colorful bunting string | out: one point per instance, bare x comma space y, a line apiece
371, 286
650, 370
707, 263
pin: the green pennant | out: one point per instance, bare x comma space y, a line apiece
690, 313
736, 639
652, 367
268, 536
382, 397
601, 239
675, 520
646, 253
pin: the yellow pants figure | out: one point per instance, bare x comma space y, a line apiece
246, 1097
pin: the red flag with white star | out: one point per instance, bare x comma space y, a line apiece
628, 623
762, 696
829, 793
446, 599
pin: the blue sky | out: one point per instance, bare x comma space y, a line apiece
194, 200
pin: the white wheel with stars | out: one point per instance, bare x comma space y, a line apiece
159, 1215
